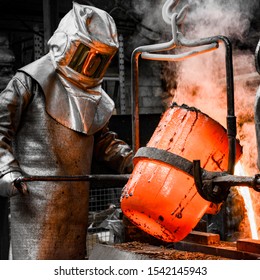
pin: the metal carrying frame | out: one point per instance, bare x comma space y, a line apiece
178, 40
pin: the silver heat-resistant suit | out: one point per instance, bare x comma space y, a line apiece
53, 122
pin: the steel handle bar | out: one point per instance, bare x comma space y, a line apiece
91, 178
178, 57
234, 180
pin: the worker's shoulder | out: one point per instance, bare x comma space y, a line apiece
23, 81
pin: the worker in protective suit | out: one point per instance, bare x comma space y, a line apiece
53, 122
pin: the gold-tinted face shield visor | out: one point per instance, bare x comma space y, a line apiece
90, 62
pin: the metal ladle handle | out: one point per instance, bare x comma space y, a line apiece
90, 178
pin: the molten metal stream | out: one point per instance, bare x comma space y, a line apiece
244, 191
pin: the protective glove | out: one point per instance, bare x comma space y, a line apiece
7, 187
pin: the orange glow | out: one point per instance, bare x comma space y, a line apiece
163, 200
244, 191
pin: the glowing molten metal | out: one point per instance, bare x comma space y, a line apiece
245, 193
161, 198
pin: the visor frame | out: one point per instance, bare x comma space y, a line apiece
77, 77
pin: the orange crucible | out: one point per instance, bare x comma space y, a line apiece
161, 199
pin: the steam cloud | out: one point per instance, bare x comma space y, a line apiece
200, 81
205, 75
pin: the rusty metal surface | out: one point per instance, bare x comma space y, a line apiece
242, 249
224, 250
191, 250
144, 251
249, 245
205, 238
166, 157
197, 245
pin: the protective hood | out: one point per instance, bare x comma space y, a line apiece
83, 45
71, 73
68, 105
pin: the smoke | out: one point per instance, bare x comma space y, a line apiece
201, 81
150, 25
229, 18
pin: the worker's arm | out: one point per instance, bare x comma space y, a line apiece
13, 100
112, 151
